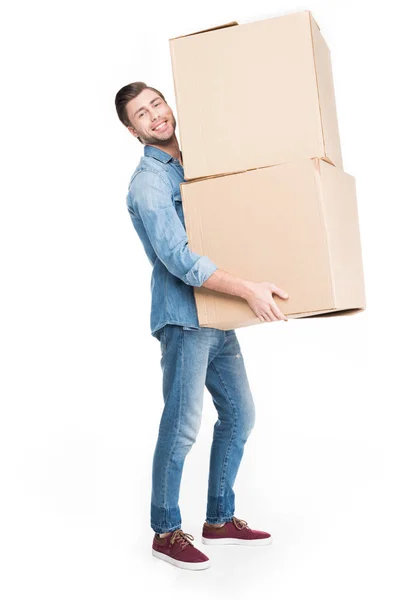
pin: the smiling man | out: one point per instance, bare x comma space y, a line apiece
192, 357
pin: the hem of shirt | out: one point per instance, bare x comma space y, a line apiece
156, 332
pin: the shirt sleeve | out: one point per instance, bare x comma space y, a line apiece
152, 200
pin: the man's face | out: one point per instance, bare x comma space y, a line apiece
151, 117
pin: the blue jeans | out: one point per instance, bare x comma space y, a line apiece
190, 360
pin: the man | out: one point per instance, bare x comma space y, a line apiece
191, 356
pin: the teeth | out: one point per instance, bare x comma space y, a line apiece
160, 126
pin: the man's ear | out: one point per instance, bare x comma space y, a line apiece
133, 131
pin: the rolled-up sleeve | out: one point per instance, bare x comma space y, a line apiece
151, 199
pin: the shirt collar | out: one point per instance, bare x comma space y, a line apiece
158, 154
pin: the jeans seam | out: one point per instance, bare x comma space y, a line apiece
222, 477
164, 486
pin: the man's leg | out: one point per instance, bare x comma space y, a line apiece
185, 357
228, 385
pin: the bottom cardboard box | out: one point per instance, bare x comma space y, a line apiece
294, 224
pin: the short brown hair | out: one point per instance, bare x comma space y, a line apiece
127, 93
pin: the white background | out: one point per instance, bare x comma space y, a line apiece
81, 380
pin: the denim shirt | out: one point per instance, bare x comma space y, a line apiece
155, 207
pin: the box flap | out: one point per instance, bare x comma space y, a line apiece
326, 96
312, 18
340, 211
231, 24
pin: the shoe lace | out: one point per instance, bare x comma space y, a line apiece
182, 538
240, 523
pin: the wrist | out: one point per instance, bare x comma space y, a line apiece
247, 289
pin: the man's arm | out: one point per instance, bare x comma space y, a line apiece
257, 295
151, 199
222, 281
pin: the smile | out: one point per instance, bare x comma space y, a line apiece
161, 127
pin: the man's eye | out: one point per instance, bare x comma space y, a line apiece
141, 115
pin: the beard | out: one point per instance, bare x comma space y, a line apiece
165, 138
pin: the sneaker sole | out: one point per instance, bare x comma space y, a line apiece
181, 564
235, 541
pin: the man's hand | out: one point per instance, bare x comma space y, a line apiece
259, 297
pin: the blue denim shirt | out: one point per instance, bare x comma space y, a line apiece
155, 206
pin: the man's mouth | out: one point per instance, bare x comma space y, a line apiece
161, 126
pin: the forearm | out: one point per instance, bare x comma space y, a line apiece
222, 281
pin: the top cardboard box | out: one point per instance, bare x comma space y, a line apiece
254, 95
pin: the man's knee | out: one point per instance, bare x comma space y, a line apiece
188, 434
249, 420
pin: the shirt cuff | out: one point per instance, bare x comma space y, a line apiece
200, 272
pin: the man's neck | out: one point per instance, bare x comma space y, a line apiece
171, 148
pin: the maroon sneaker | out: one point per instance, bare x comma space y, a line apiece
235, 532
177, 549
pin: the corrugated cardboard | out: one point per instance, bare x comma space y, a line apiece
254, 95
295, 225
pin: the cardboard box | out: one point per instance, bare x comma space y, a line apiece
254, 95
295, 225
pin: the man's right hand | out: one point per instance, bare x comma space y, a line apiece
259, 298
257, 295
